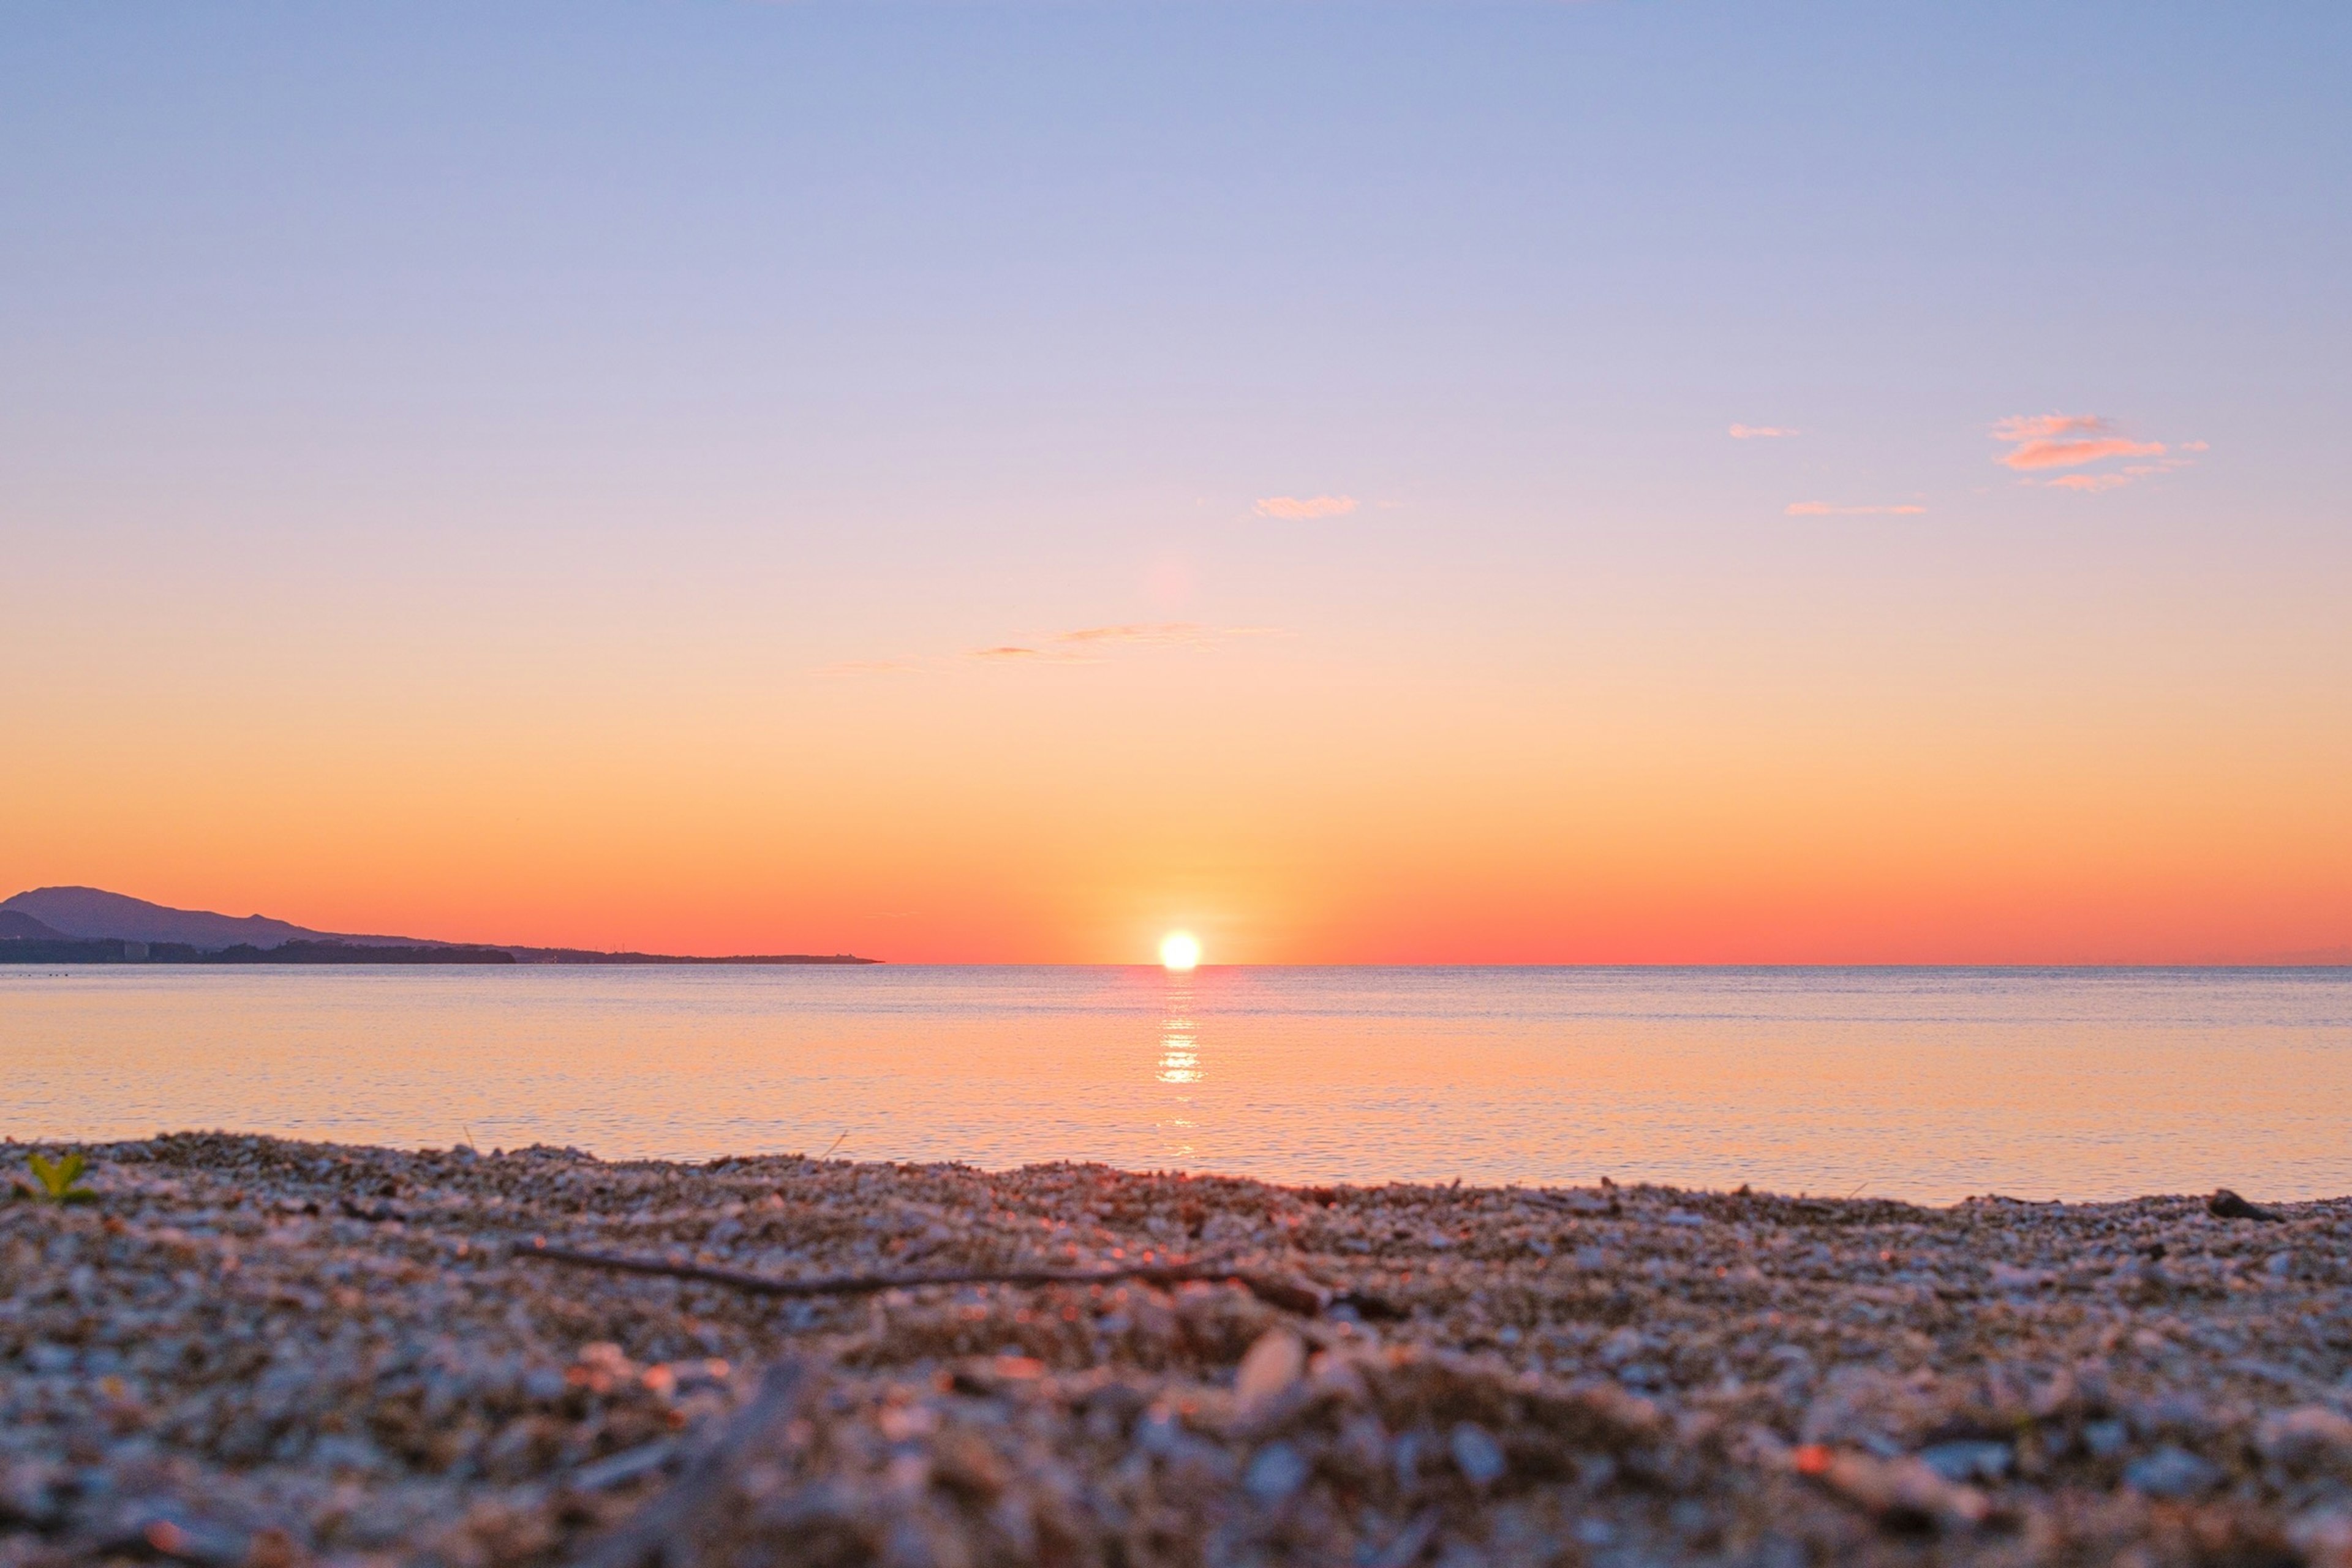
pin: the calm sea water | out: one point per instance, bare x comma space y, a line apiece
1923, 1084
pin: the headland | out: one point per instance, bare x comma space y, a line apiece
89, 925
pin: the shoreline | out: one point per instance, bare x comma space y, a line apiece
250, 1350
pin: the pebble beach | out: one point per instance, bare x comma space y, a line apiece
249, 1351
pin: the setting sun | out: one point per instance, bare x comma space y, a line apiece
1179, 950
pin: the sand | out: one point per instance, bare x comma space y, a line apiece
269, 1352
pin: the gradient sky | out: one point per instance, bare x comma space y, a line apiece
1453, 483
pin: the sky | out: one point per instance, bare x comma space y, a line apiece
1604, 482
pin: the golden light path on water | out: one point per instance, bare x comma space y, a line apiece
1180, 1065
1926, 1084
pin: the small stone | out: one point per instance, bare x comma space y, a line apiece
2171, 1472
1899, 1493
1275, 1362
42, 1357
338, 1451
1477, 1455
2324, 1535
1406, 1458
1277, 1471
2104, 1439
2176, 1413
2005, 1277
1158, 1433
1968, 1461
2302, 1436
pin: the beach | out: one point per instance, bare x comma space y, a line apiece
247, 1351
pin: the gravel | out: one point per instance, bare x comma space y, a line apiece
250, 1351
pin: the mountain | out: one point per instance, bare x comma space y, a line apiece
87, 916
91, 914
17, 926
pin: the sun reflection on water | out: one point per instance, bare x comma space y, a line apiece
1179, 1062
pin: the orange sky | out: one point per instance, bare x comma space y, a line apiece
1884, 790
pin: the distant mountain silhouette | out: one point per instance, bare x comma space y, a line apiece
91, 914
95, 927
17, 926
114, 950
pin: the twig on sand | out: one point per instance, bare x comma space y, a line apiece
1290, 1297
657, 1532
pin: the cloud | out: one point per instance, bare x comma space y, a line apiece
2043, 426
1087, 644
2074, 454
1761, 432
2038, 442
1300, 509
1822, 509
1144, 631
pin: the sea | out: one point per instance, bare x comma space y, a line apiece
1928, 1085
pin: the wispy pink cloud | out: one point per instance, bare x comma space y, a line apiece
1761, 432
2043, 426
2041, 441
1143, 631
1301, 508
1822, 509
2074, 454
1087, 644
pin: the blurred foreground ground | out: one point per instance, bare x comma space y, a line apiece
257, 1352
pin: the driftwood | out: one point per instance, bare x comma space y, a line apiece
1286, 1294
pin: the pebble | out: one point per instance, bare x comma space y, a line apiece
1276, 1472
2171, 1472
2304, 1435
1276, 1361
1966, 1461
2104, 1439
1476, 1454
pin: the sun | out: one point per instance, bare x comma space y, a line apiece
1178, 950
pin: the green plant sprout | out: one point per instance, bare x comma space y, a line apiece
58, 1181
